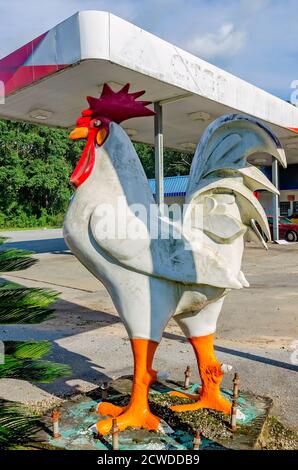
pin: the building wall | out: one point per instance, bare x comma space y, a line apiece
286, 207
288, 184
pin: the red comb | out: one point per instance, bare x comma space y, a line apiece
120, 105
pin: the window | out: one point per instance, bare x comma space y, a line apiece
284, 208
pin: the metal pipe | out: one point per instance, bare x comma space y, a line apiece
187, 375
197, 441
275, 200
158, 147
236, 382
104, 390
115, 435
55, 420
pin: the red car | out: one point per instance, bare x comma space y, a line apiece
287, 230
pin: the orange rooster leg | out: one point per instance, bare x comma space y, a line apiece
137, 413
211, 376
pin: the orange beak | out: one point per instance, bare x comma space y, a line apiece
79, 133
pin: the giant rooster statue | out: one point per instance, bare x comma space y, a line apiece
184, 271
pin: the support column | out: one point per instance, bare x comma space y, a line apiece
158, 145
275, 200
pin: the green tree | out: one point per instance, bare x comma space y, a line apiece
175, 163
35, 165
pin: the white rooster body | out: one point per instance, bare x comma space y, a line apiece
187, 277
145, 291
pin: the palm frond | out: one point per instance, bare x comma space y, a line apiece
45, 371
25, 296
22, 360
28, 350
25, 305
35, 371
28, 315
16, 425
15, 260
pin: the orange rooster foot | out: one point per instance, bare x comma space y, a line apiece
137, 413
108, 409
215, 403
130, 418
211, 375
190, 396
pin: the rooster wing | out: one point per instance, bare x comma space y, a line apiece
192, 253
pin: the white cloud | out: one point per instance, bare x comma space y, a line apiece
225, 43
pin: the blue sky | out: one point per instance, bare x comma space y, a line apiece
253, 39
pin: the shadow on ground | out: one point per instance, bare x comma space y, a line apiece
50, 245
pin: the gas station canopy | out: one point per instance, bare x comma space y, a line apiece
47, 81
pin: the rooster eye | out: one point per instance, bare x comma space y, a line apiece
97, 123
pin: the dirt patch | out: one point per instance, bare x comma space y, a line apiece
276, 436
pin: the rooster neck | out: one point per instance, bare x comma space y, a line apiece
117, 173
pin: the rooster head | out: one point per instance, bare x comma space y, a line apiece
94, 123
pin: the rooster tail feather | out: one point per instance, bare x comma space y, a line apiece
220, 165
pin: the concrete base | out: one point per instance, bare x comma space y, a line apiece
78, 414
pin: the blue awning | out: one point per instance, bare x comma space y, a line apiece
173, 185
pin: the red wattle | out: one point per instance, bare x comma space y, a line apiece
85, 164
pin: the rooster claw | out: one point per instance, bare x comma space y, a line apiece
218, 404
108, 409
130, 418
